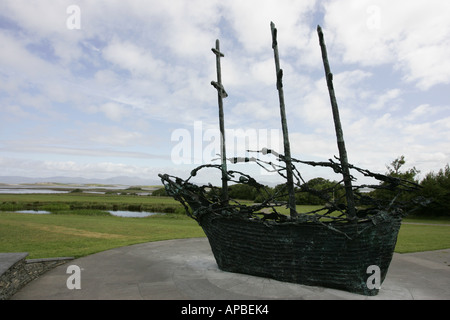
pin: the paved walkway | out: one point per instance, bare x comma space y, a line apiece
186, 269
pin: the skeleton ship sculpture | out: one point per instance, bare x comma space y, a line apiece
348, 244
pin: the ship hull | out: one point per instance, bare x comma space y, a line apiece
354, 257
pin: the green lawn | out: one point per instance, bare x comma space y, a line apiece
84, 197
415, 238
78, 201
44, 236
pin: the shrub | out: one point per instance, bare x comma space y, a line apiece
436, 188
161, 192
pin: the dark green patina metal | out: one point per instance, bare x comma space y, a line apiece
338, 127
221, 94
287, 147
333, 246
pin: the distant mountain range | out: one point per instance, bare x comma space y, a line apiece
119, 180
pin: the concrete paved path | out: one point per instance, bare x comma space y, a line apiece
186, 269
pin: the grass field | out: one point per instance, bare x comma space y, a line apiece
90, 201
422, 237
62, 235
80, 226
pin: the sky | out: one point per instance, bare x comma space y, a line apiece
105, 88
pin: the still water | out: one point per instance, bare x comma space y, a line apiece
34, 211
126, 214
132, 214
27, 191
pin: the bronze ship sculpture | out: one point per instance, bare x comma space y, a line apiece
348, 244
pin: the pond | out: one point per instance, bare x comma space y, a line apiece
28, 191
125, 214
33, 211
132, 214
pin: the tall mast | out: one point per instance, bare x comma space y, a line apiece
221, 93
351, 213
287, 148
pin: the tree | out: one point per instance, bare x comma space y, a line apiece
322, 186
385, 193
394, 170
242, 192
161, 192
436, 188
396, 165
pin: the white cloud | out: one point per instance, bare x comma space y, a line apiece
107, 77
114, 111
16, 111
112, 135
255, 110
263, 71
41, 17
138, 69
17, 59
251, 22
47, 168
385, 121
315, 106
419, 111
412, 35
133, 58
308, 145
427, 66
78, 152
389, 97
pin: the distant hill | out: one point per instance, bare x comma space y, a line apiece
119, 180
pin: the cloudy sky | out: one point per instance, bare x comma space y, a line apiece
100, 88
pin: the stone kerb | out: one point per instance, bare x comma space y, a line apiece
16, 271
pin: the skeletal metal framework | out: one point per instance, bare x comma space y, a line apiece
356, 206
221, 94
331, 246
